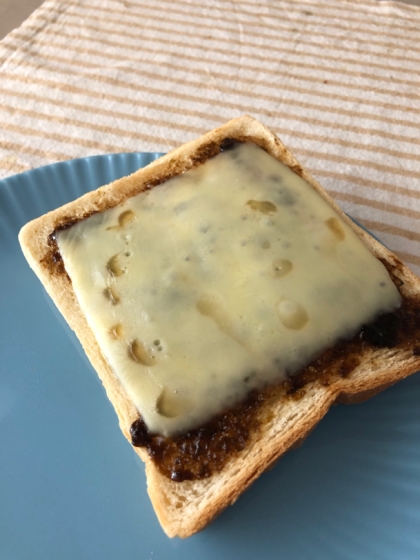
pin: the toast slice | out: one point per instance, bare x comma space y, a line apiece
288, 412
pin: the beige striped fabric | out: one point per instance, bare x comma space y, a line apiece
338, 81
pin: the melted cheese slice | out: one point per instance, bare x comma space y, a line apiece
228, 277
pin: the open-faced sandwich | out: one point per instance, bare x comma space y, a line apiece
226, 302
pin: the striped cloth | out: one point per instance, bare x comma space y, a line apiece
338, 81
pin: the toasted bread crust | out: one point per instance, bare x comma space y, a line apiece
187, 507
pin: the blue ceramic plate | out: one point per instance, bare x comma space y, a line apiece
71, 487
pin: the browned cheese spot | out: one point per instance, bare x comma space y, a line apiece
263, 206
138, 352
292, 314
126, 217
171, 404
123, 219
114, 266
116, 332
336, 228
266, 244
111, 294
282, 267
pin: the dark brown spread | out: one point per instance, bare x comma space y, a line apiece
199, 453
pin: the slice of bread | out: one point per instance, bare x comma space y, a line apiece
183, 508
